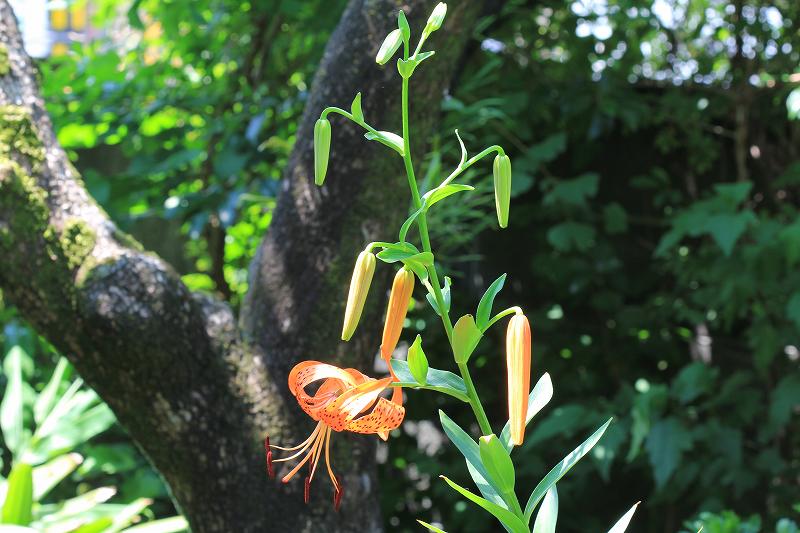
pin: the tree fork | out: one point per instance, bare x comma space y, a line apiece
196, 390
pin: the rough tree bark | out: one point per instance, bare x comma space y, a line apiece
196, 390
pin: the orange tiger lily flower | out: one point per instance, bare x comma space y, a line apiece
347, 400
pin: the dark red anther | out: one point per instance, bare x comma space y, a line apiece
337, 496
270, 469
307, 490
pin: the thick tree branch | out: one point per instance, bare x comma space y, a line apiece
172, 365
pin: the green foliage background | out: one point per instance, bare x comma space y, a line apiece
654, 240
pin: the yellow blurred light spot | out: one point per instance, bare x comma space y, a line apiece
59, 49
78, 18
59, 20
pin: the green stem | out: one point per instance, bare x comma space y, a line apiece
474, 401
505, 313
340, 111
422, 224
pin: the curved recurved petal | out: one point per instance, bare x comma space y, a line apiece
384, 417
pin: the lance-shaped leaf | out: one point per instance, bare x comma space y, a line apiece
548, 513
431, 527
469, 449
506, 517
445, 295
558, 471
11, 408
172, 524
49, 395
622, 523
355, 109
393, 253
17, 509
387, 138
487, 301
48, 475
440, 193
497, 463
435, 379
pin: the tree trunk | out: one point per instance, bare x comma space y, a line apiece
197, 391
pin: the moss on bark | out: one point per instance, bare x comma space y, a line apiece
5, 66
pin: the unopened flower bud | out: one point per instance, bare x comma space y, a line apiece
502, 187
436, 18
389, 46
359, 287
322, 149
518, 363
402, 287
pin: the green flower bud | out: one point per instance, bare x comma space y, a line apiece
357, 295
436, 18
502, 187
322, 149
389, 46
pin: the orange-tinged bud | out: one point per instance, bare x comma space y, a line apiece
518, 362
359, 287
402, 287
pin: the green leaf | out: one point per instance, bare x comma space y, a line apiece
463, 150
355, 108
125, 517
387, 138
568, 236
397, 252
440, 193
50, 474
173, 524
541, 394
622, 523
445, 295
17, 509
487, 301
437, 380
497, 463
784, 400
410, 220
423, 258
573, 192
666, 442
12, 417
417, 362
422, 56
692, 381
402, 24
793, 309
47, 398
548, 513
406, 67
430, 527
558, 471
466, 337
506, 517
96, 526
615, 219
417, 268
469, 449
726, 229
